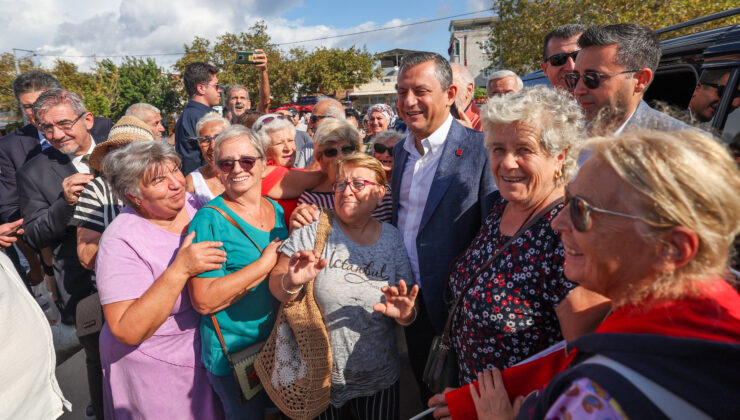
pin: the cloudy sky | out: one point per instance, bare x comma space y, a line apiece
73, 29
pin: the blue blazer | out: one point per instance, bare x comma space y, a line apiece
459, 200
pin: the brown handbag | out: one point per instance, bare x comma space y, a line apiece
295, 363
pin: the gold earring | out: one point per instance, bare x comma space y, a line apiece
558, 173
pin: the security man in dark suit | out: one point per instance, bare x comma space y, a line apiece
49, 186
18, 147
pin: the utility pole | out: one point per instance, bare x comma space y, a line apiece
15, 59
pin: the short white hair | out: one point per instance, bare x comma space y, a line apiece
211, 117
461, 75
141, 110
502, 74
263, 130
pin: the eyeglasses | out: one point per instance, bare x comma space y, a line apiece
333, 151
580, 213
217, 85
203, 140
314, 118
380, 148
65, 125
592, 79
246, 162
268, 120
355, 185
558, 60
721, 89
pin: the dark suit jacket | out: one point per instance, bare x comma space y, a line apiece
17, 148
459, 200
46, 217
185, 144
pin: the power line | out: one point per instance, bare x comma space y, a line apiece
421, 22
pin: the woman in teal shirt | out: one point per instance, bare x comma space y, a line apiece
237, 293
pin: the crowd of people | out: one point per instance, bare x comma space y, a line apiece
567, 215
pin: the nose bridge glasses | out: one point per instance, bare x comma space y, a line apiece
591, 79
580, 213
228, 165
65, 125
558, 60
356, 185
333, 151
205, 140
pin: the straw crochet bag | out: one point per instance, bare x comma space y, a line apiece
295, 364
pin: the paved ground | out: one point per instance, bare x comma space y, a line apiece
73, 381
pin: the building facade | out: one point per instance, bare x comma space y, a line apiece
467, 40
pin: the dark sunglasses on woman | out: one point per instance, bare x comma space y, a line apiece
558, 60
592, 79
382, 148
333, 151
246, 162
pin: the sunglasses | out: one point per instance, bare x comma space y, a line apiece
592, 79
382, 148
315, 118
268, 120
333, 151
580, 213
356, 185
558, 60
721, 89
246, 162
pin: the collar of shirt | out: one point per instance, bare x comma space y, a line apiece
619, 130
44, 143
432, 144
83, 167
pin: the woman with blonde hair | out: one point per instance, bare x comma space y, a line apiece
643, 229
333, 140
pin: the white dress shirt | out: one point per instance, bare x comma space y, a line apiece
83, 167
418, 174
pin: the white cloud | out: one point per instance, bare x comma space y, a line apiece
74, 29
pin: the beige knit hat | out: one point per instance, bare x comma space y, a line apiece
128, 129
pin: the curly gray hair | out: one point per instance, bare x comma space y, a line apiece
551, 110
275, 122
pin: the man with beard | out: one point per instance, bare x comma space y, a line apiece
612, 73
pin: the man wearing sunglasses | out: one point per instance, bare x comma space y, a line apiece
201, 85
707, 94
612, 72
559, 53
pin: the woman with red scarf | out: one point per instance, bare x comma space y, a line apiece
649, 223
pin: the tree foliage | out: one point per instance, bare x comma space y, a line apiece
524, 24
293, 73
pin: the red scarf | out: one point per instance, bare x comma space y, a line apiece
712, 315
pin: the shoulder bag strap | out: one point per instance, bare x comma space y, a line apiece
522, 229
323, 229
213, 316
673, 406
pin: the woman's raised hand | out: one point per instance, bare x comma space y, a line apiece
304, 266
399, 303
195, 258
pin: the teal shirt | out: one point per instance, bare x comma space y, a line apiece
251, 318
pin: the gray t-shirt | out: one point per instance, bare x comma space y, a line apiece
363, 343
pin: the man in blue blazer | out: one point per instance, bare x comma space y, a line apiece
441, 186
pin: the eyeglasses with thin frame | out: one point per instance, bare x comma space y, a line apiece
246, 162
592, 79
204, 140
580, 213
217, 85
380, 148
65, 125
356, 185
333, 151
558, 60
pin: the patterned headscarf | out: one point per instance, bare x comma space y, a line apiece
386, 110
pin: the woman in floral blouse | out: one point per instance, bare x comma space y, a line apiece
521, 303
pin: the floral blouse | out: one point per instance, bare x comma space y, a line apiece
508, 315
